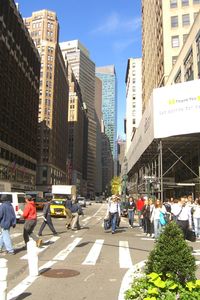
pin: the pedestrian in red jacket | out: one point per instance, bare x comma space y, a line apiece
139, 206
30, 216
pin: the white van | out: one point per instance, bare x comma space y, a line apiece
17, 200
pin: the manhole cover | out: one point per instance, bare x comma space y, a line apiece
60, 273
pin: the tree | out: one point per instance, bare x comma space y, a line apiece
116, 185
172, 255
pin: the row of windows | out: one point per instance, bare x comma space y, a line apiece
185, 20
175, 40
174, 3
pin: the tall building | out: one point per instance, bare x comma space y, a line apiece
19, 97
133, 97
77, 137
53, 104
84, 70
109, 103
165, 26
98, 117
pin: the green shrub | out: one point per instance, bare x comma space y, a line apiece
172, 255
169, 273
152, 287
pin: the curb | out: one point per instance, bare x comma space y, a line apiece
128, 278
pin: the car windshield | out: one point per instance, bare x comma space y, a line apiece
58, 202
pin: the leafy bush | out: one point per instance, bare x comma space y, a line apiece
172, 255
152, 287
169, 273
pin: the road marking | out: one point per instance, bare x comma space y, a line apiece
94, 253
65, 252
125, 260
14, 235
148, 239
86, 219
44, 246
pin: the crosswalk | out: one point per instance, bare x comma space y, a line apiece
91, 258
124, 261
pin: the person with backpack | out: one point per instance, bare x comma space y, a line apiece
47, 219
7, 220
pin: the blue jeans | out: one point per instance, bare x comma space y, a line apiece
113, 217
157, 227
197, 226
131, 217
5, 240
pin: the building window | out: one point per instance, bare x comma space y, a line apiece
174, 21
178, 77
175, 41
174, 59
173, 3
185, 37
188, 67
185, 2
196, 1
198, 54
186, 20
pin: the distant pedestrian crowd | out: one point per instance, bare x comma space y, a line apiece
153, 215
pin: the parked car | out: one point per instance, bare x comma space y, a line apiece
82, 201
57, 208
40, 202
18, 202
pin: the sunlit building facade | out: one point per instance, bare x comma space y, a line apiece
53, 103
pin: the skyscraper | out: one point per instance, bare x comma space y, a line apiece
166, 25
19, 97
84, 70
53, 104
109, 103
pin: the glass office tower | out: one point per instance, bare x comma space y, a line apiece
109, 103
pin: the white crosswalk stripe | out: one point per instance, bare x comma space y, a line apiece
125, 260
94, 253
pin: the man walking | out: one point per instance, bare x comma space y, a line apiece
47, 219
30, 217
7, 220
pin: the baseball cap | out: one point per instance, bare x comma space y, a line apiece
29, 197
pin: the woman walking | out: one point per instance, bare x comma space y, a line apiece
157, 213
131, 206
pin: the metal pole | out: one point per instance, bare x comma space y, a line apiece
161, 171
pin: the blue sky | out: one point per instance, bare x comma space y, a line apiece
109, 29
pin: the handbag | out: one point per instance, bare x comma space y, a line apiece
191, 236
162, 219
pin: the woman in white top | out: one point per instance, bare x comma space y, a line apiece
155, 217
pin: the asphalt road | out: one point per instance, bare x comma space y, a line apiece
78, 265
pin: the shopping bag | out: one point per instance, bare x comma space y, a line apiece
107, 224
191, 236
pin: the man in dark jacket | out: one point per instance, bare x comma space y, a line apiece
47, 219
7, 220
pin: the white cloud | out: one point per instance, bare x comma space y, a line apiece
115, 24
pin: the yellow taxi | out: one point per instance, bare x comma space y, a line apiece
57, 208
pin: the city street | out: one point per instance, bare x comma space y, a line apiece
85, 264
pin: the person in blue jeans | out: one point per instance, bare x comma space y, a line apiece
7, 220
131, 206
114, 212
